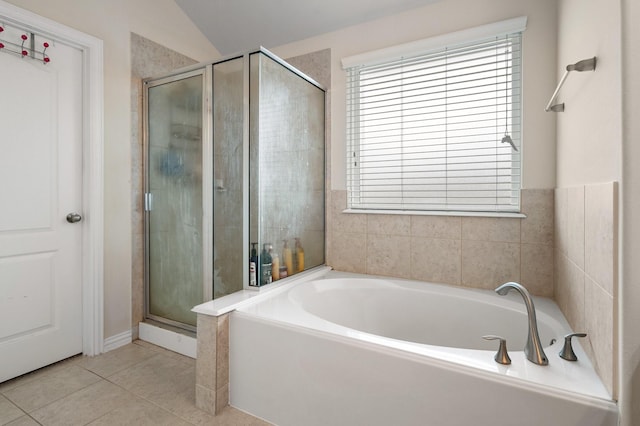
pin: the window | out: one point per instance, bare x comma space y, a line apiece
438, 129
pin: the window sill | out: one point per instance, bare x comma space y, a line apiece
438, 213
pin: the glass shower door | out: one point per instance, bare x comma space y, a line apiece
173, 201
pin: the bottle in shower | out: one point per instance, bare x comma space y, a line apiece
253, 266
287, 258
275, 266
265, 264
299, 256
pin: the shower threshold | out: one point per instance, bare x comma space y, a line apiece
172, 338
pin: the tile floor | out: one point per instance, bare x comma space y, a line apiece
137, 384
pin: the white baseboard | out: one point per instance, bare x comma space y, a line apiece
114, 342
185, 345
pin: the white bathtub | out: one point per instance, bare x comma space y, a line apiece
348, 350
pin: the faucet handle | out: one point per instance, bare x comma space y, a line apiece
502, 357
567, 350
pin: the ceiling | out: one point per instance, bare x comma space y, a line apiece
235, 26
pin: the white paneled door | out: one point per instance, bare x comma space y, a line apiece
41, 107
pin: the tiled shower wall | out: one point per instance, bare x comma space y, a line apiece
586, 278
479, 252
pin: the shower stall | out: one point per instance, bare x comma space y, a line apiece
234, 159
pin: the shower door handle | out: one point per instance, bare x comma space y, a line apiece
74, 218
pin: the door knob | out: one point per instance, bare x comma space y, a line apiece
73, 218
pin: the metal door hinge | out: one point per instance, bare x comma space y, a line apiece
148, 201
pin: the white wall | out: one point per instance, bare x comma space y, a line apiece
113, 21
595, 145
539, 45
590, 129
630, 276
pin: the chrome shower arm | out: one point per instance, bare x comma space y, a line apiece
584, 65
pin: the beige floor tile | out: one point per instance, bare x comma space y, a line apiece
83, 406
8, 411
39, 374
139, 412
155, 376
50, 387
232, 417
167, 383
23, 421
117, 360
166, 352
182, 404
148, 385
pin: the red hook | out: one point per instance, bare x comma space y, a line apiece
24, 38
45, 58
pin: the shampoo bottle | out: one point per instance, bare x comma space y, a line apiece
275, 266
287, 258
265, 264
253, 266
299, 256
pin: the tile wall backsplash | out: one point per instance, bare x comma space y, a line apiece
475, 252
586, 269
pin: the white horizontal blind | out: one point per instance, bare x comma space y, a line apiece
431, 132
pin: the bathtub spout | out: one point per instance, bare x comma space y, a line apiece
533, 348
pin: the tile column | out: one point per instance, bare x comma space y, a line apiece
212, 363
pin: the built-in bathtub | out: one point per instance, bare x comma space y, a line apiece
355, 350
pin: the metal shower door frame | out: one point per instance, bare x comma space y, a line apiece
205, 71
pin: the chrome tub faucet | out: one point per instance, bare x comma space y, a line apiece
533, 348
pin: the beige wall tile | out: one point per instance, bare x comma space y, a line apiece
222, 398
349, 251
601, 234
575, 225
206, 352
389, 255
561, 219
345, 222
599, 326
349, 222
498, 229
222, 352
489, 264
449, 227
537, 269
537, 227
206, 399
338, 201
436, 260
569, 290
389, 224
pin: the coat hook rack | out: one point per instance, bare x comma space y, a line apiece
24, 47
584, 65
